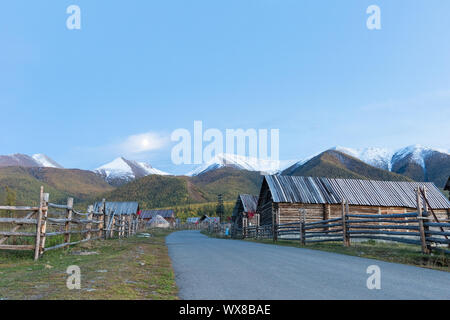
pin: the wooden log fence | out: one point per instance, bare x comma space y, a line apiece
417, 228
52, 226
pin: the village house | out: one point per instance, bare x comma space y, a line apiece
282, 198
244, 212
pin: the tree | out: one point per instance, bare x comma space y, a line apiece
10, 198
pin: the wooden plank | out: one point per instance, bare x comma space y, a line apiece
380, 220
62, 245
15, 208
59, 206
18, 220
385, 226
398, 233
28, 216
384, 216
16, 247
17, 234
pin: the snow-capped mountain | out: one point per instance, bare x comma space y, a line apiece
241, 162
416, 153
121, 170
416, 162
389, 159
23, 160
45, 161
377, 157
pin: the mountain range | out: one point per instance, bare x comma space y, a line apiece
23, 160
121, 171
124, 179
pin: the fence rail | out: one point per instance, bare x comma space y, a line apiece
51, 226
419, 228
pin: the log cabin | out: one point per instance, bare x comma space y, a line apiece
245, 211
282, 198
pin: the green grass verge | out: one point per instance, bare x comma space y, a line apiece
390, 252
130, 268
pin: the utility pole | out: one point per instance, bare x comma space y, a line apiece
220, 208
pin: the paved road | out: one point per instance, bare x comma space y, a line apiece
207, 268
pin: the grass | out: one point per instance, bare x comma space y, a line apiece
390, 252
130, 268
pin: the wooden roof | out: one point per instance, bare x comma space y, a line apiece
118, 207
314, 190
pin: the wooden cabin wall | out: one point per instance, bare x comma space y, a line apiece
265, 206
290, 212
238, 218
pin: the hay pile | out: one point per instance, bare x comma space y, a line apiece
158, 222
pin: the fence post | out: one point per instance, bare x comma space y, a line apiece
122, 225
104, 222
274, 226
129, 225
302, 230
119, 227
345, 236
69, 212
38, 224
89, 225
44, 222
111, 223
425, 213
423, 239
101, 224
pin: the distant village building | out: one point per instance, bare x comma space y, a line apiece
119, 208
282, 198
206, 219
193, 220
203, 219
244, 211
168, 215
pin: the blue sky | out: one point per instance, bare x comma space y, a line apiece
308, 68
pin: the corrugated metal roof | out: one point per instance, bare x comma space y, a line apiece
148, 214
249, 202
314, 190
245, 202
118, 207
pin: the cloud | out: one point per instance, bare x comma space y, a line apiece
141, 143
